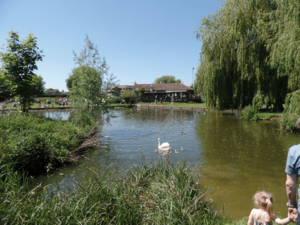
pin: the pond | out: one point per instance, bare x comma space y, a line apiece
54, 114
233, 158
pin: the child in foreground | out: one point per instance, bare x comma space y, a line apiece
264, 214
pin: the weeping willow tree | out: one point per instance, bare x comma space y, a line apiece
249, 48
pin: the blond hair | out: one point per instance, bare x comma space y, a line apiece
264, 200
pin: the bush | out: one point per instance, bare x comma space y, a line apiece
248, 112
128, 96
288, 121
114, 100
291, 111
142, 92
32, 142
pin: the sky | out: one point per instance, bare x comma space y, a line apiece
141, 40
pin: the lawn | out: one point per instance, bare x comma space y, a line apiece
268, 115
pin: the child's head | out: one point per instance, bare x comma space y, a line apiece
264, 200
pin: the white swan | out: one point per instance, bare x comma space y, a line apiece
164, 146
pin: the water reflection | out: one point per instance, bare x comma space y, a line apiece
242, 157
236, 158
56, 115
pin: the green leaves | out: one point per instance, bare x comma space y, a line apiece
167, 79
142, 92
31, 142
128, 96
249, 47
19, 64
85, 82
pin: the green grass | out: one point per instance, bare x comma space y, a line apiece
268, 115
176, 104
31, 143
119, 105
155, 193
34, 105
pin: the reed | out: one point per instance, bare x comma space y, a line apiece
154, 193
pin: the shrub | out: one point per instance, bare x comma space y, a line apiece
142, 92
288, 121
32, 142
256, 116
248, 112
128, 96
291, 111
114, 100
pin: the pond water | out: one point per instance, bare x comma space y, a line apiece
234, 158
55, 114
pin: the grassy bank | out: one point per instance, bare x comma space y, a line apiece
249, 114
118, 105
35, 144
190, 104
268, 115
156, 193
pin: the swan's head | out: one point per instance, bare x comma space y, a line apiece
159, 139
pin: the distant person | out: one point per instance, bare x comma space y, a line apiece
264, 214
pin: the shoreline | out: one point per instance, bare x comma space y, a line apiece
37, 109
170, 107
145, 106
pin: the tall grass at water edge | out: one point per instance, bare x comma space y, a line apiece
31, 143
156, 193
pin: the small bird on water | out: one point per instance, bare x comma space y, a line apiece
183, 132
182, 149
176, 152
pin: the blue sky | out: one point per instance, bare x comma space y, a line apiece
140, 39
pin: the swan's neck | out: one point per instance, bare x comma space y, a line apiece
158, 143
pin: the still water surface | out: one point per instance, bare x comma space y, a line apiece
234, 158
